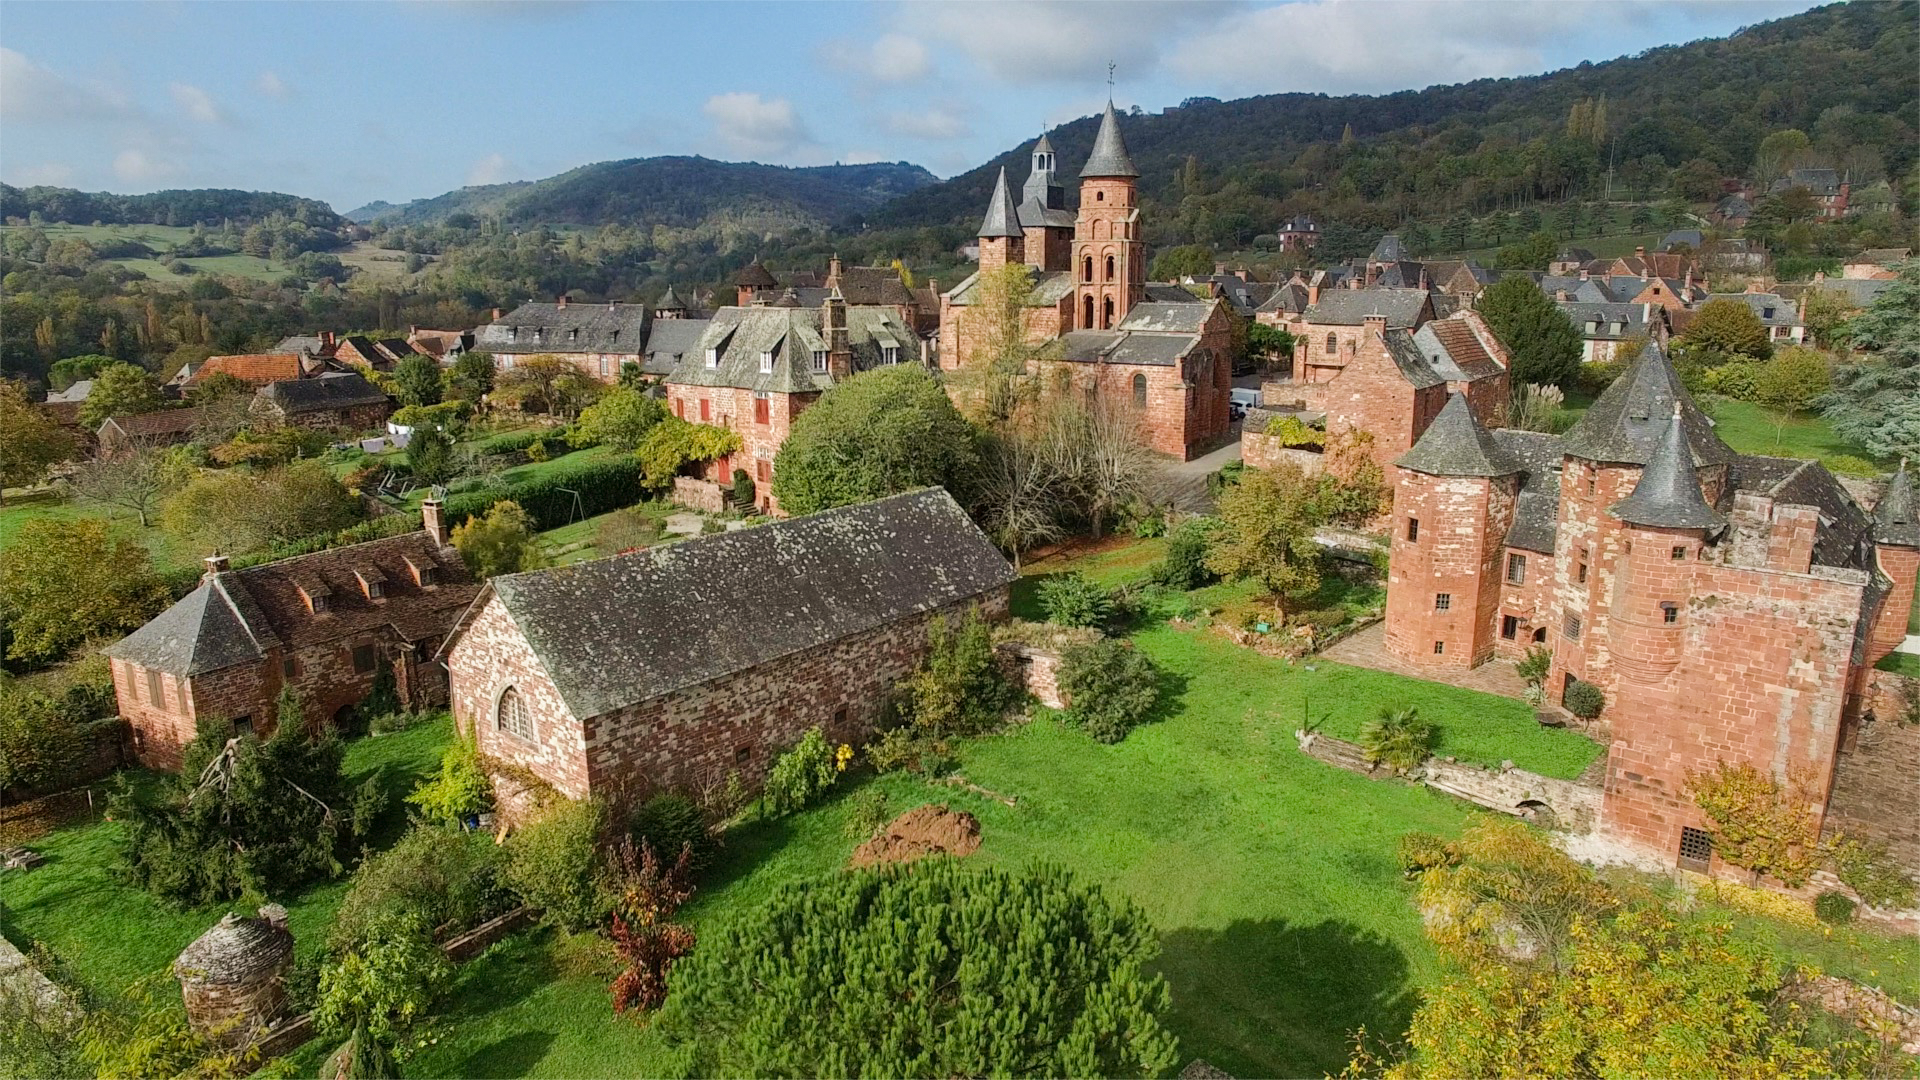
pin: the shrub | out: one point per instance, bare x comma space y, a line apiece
1757, 823
602, 484
895, 749
620, 419
1833, 908
1594, 378
1534, 668
538, 452
1110, 688
1734, 379
906, 971
958, 689
1397, 738
1225, 477
384, 984
866, 813
1292, 432
743, 489
1073, 600
447, 877
644, 937
1583, 699
673, 443
801, 775
502, 542
1184, 566
1867, 867
672, 823
1143, 520
40, 742
624, 530
460, 791
1420, 852
553, 863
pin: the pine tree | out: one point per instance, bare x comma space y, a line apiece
1542, 345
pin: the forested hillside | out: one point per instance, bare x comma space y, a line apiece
1671, 121
682, 192
201, 206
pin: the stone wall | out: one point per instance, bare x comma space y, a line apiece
1876, 776
1455, 553
702, 495
1542, 799
1035, 670
1262, 451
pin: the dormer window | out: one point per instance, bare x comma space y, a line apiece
513, 333
573, 333
372, 582
423, 572
890, 354
713, 358
766, 362
318, 597
616, 335
819, 360
1766, 313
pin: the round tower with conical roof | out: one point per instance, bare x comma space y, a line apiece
1109, 257
1896, 538
233, 978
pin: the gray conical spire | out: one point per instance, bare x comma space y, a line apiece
670, 301
1668, 495
1456, 445
1003, 217
1895, 520
1044, 146
1109, 156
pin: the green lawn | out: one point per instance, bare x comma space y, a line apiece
108, 935
1902, 663
1747, 428
578, 542
45, 504
363, 256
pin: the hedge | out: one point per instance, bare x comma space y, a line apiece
515, 441
603, 484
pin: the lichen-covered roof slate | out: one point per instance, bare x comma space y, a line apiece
1350, 307
1896, 518
1168, 318
1456, 445
670, 341
1049, 287
1536, 513
619, 631
1668, 494
793, 335
341, 391
575, 328
1003, 214
1627, 421
236, 951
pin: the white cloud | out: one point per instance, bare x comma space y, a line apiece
137, 167
32, 92
1033, 41
52, 173
894, 58
937, 122
756, 127
272, 85
196, 103
491, 169
860, 157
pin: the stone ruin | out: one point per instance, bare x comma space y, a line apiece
234, 977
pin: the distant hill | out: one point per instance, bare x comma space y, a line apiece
675, 191
1843, 74
200, 206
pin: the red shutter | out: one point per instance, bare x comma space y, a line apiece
706, 410
761, 413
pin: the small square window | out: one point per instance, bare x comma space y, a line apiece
819, 360
243, 725
1669, 612
1413, 528
1696, 849
289, 667
376, 590
1570, 629
1679, 552
1509, 626
743, 754
1439, 648
839, 719
1442, 601
1516, 569
363, 659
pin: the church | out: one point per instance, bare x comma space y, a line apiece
1160, 347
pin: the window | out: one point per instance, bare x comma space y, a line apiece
573, 334
713, 357
1106, 315
156, 690
1580, 567
1086, 269
376, 590
1696, 849
1099, 196
890, 354
763, 471
1679, 551
1439, 648
289, 667
743, 754
839, 719
1110, 274
1443, 601
511, 715
762, 410
1140, 391
243, 725
1413, 528
706, 415
362, 659
317, 602
766, 362
1592, 481
1669, 612
513, 333
819, 359
1766, 313
1571, 627
1333, 344
425, 575
1540, 635
1509, 626
1516, 569
1086, 314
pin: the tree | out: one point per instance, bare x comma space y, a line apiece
994, 379
136, 478
915, 971
1789, 384
1095, 452
121, 390
32, 442
1505, 892
1779, 152
620, 419
1267, 524
217, 386
430, 455
958, 688
416, 380
1110, 686
1268, 344
533, 382
1726, 325
382, 984
65, 373
1186, 260
1017, 500
472, 376
233, 510
247, 815
502, 542
1876, 398
1759, 823
879, 433
1825, 313
1543, 346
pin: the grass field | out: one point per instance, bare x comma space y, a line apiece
45, 504
362, 256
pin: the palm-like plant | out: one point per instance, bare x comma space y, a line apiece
1398, 738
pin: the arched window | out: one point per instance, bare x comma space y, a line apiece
511, 715
1333, 344
1086, 314
1106, 316
1109, 268
1086, 269
1140, 391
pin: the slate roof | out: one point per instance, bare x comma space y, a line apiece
671, 340
338, 391
1109, 157
1350, 307
236, 616
1693, 238
1049, 288
1881, 257
1573, 255
1003, 214
1632, 414
615, 632
1860, 292
1667, 494
1772, 309
792, 335
1287, 299
1845, 529
256, 368
1605, 322
670, 301
1821, 182
1389, 249
301, 343
575, 328
756, 275
868, 285
159, 422
1126, 347
1733, 206
1536, 513
373, 352
1415, 366
1456, 445
1896, 519
1163, 293
1168, 318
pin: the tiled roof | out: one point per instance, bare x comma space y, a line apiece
1456, 351
756, 275
1350, 307
338, 391
1456, 445
1845, 529
161, 422
1109, 156
256, 368
238, 615
575, 328
1632, 415
615, 632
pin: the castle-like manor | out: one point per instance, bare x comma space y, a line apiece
1160, 347
1729, 606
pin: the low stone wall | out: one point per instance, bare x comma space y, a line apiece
1561, 803
1876, 775
697, 494
1036, 670
101, 749
1262, 451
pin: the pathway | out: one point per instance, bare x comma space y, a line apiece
1184, 485
1368, 649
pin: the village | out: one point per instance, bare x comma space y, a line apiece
1375, 665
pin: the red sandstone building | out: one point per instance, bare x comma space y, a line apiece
671, 667
324, 624
1728, 606
1119, 336
596, 338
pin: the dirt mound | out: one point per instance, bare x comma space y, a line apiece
924, 830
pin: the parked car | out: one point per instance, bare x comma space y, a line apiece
1240, 399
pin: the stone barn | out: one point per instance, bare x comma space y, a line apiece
332, 402
670, 667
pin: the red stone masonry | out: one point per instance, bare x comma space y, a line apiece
1456, 552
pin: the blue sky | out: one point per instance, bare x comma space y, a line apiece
350, 102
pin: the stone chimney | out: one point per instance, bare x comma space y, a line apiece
833, 271
1640, 253
496, 314
1423, 277
1313, 291
216, 564
1376, 326
560, 301
1583, 273
433, 521
833, 327
326, 339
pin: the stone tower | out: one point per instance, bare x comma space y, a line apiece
1453, 503
1896, 537
1044, 214
1002, 241
1109, 259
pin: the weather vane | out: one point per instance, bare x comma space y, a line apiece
1109, 80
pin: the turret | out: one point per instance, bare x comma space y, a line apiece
1896, 539
1002, 241
1667, 522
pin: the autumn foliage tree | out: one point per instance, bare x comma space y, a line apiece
645, 937
65, 581
1758, 823
1267, 525
32, 442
